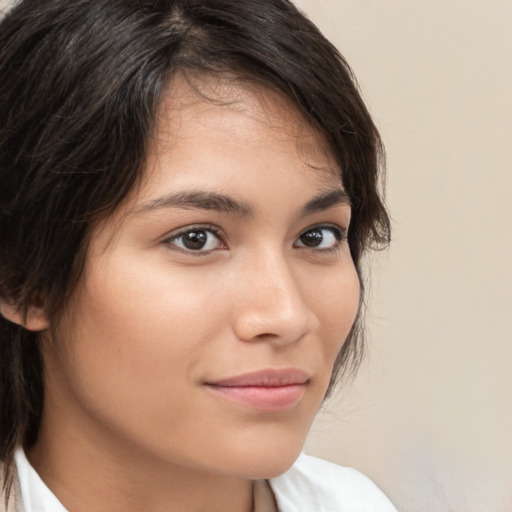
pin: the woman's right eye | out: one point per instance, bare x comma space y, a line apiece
197, 240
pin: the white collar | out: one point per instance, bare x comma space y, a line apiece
35, 494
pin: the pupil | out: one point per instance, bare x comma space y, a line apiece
195, 239
312, 238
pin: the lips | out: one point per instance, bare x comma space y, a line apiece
267, 390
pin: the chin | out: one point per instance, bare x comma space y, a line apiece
274, 468
264, 460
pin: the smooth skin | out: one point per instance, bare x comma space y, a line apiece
230, 257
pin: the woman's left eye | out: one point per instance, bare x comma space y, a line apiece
321, 237
197, 240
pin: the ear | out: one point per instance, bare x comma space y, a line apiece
34, 320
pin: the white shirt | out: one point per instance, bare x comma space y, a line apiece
310, 485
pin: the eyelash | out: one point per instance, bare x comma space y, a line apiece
340, 235
190, 229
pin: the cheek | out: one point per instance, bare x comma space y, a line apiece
135, 333
337, 298
145, 317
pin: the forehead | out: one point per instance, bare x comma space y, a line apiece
196, 107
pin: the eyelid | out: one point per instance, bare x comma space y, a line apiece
327, 225
177, 233
339, 232
343, 236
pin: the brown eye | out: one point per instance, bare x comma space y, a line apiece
199, 240
195, 240
312, 238
321, 237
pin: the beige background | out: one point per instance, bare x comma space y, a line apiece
429, 417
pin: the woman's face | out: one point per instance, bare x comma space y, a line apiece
215, 301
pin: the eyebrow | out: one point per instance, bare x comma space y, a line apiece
225, 204
199, 199
325, 200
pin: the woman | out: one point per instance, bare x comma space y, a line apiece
180, 287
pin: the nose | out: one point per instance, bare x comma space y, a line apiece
271, 303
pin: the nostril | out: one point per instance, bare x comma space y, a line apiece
266, 335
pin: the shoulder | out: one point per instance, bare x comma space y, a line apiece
316, 485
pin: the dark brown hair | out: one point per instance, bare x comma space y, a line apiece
80, 84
